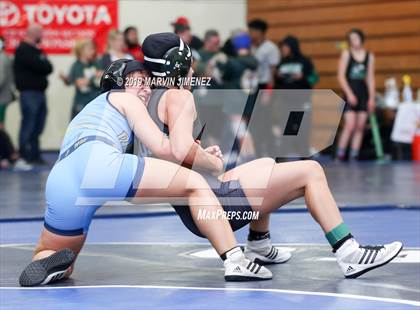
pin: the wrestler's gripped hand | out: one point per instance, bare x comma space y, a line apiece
219, 164
214, 150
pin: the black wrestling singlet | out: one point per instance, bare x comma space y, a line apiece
356, 74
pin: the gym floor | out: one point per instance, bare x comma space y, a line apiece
142, 257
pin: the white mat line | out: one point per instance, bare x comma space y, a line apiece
5, 245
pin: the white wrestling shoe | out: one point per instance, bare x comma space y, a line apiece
355, 260
264, 253
239, 268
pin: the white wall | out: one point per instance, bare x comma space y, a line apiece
149, 16
156, 16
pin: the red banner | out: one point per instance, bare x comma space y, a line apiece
64, 22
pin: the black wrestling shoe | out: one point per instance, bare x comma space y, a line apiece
47, 270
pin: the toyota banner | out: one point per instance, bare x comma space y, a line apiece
64, 22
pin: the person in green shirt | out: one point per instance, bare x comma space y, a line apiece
85, 75
208, 104
210, 49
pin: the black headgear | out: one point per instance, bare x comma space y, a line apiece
166, 55
114, 76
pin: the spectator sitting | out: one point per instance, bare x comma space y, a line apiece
115, 49
8, 154
133, 46
85, 75
31, 68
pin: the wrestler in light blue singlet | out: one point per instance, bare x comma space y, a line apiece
92, 168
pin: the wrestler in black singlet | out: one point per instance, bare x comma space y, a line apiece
356, 74
230, 194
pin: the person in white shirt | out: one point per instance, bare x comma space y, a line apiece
268, 56
265, 51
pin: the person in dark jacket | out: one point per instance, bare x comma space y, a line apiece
295, 71
31, 68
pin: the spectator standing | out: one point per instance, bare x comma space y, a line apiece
209, 106
296, 71
210, 48
8, 154
268, 57
183, 29
265, 51
239, 72
208, 64
85, 75
228, 48
31, 68
132, 44
356, 75
6, 82
115, 51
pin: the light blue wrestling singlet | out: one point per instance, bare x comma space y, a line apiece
92, 168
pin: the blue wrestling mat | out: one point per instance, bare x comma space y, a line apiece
146, 259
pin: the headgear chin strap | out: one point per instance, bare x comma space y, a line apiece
176, 62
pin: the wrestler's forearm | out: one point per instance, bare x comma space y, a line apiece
165, 152
195, 158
